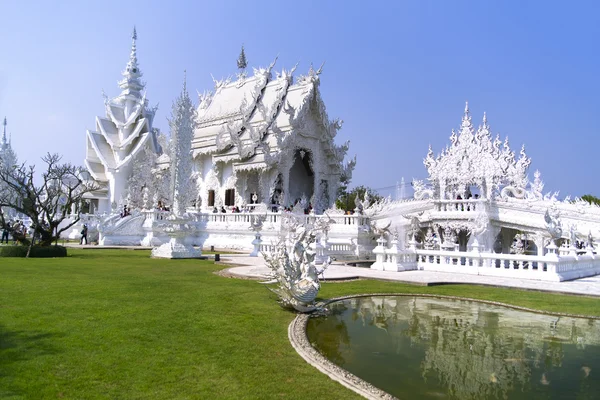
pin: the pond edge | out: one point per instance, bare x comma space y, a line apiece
299, 340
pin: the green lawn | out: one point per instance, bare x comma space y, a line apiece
116, 324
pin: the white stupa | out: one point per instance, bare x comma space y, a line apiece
119, 136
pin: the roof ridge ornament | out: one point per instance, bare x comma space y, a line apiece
242, 62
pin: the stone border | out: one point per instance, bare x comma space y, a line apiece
299, 340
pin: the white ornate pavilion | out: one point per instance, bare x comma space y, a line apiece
262, 142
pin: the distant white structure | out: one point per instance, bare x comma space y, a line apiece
119, 137
7, 155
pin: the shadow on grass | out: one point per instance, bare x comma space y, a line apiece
16, 348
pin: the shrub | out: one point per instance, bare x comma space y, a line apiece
36, 251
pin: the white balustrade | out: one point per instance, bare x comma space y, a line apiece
459, 205
550, 267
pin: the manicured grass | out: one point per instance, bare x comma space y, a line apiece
117, 324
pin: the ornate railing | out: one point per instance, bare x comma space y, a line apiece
274, 218
458, 205
550, 267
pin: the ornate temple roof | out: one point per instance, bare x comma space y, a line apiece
476, 158
249, 120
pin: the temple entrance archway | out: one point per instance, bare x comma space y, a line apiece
301, 178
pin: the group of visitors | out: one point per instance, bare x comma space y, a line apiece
469, 196
233, 210
16, 229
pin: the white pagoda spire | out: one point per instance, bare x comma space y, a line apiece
4, 142
7, 155
131, 82
122, 134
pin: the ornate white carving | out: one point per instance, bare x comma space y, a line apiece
421, 191
295, 271
474, 158
553, 224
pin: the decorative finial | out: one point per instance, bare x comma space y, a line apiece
184, 80
134, 36
466, 108
320, 69
242, 63
484, 118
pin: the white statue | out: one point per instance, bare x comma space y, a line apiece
553, 224
295, 271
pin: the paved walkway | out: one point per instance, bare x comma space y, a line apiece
253, 267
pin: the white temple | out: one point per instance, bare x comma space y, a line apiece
262, 144
268, 140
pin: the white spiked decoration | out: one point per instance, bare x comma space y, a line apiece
179, 223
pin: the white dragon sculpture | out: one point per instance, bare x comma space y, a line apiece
295, 272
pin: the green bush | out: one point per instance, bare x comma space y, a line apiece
36, 251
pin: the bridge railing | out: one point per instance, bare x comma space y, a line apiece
459, 205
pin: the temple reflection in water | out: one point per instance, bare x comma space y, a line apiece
428, 347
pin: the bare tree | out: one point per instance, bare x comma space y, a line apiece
48, 205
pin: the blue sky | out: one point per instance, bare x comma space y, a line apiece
398, 72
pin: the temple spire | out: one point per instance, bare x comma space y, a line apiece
133, 54
466, 108
131, 83
484, 119
4, 132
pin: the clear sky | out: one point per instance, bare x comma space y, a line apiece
397, 72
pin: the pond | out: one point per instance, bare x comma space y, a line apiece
433, 348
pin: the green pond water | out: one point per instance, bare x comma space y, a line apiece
428, 348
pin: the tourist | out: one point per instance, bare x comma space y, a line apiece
6, 229
84, 233
223, 210
215, 210
16, 231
